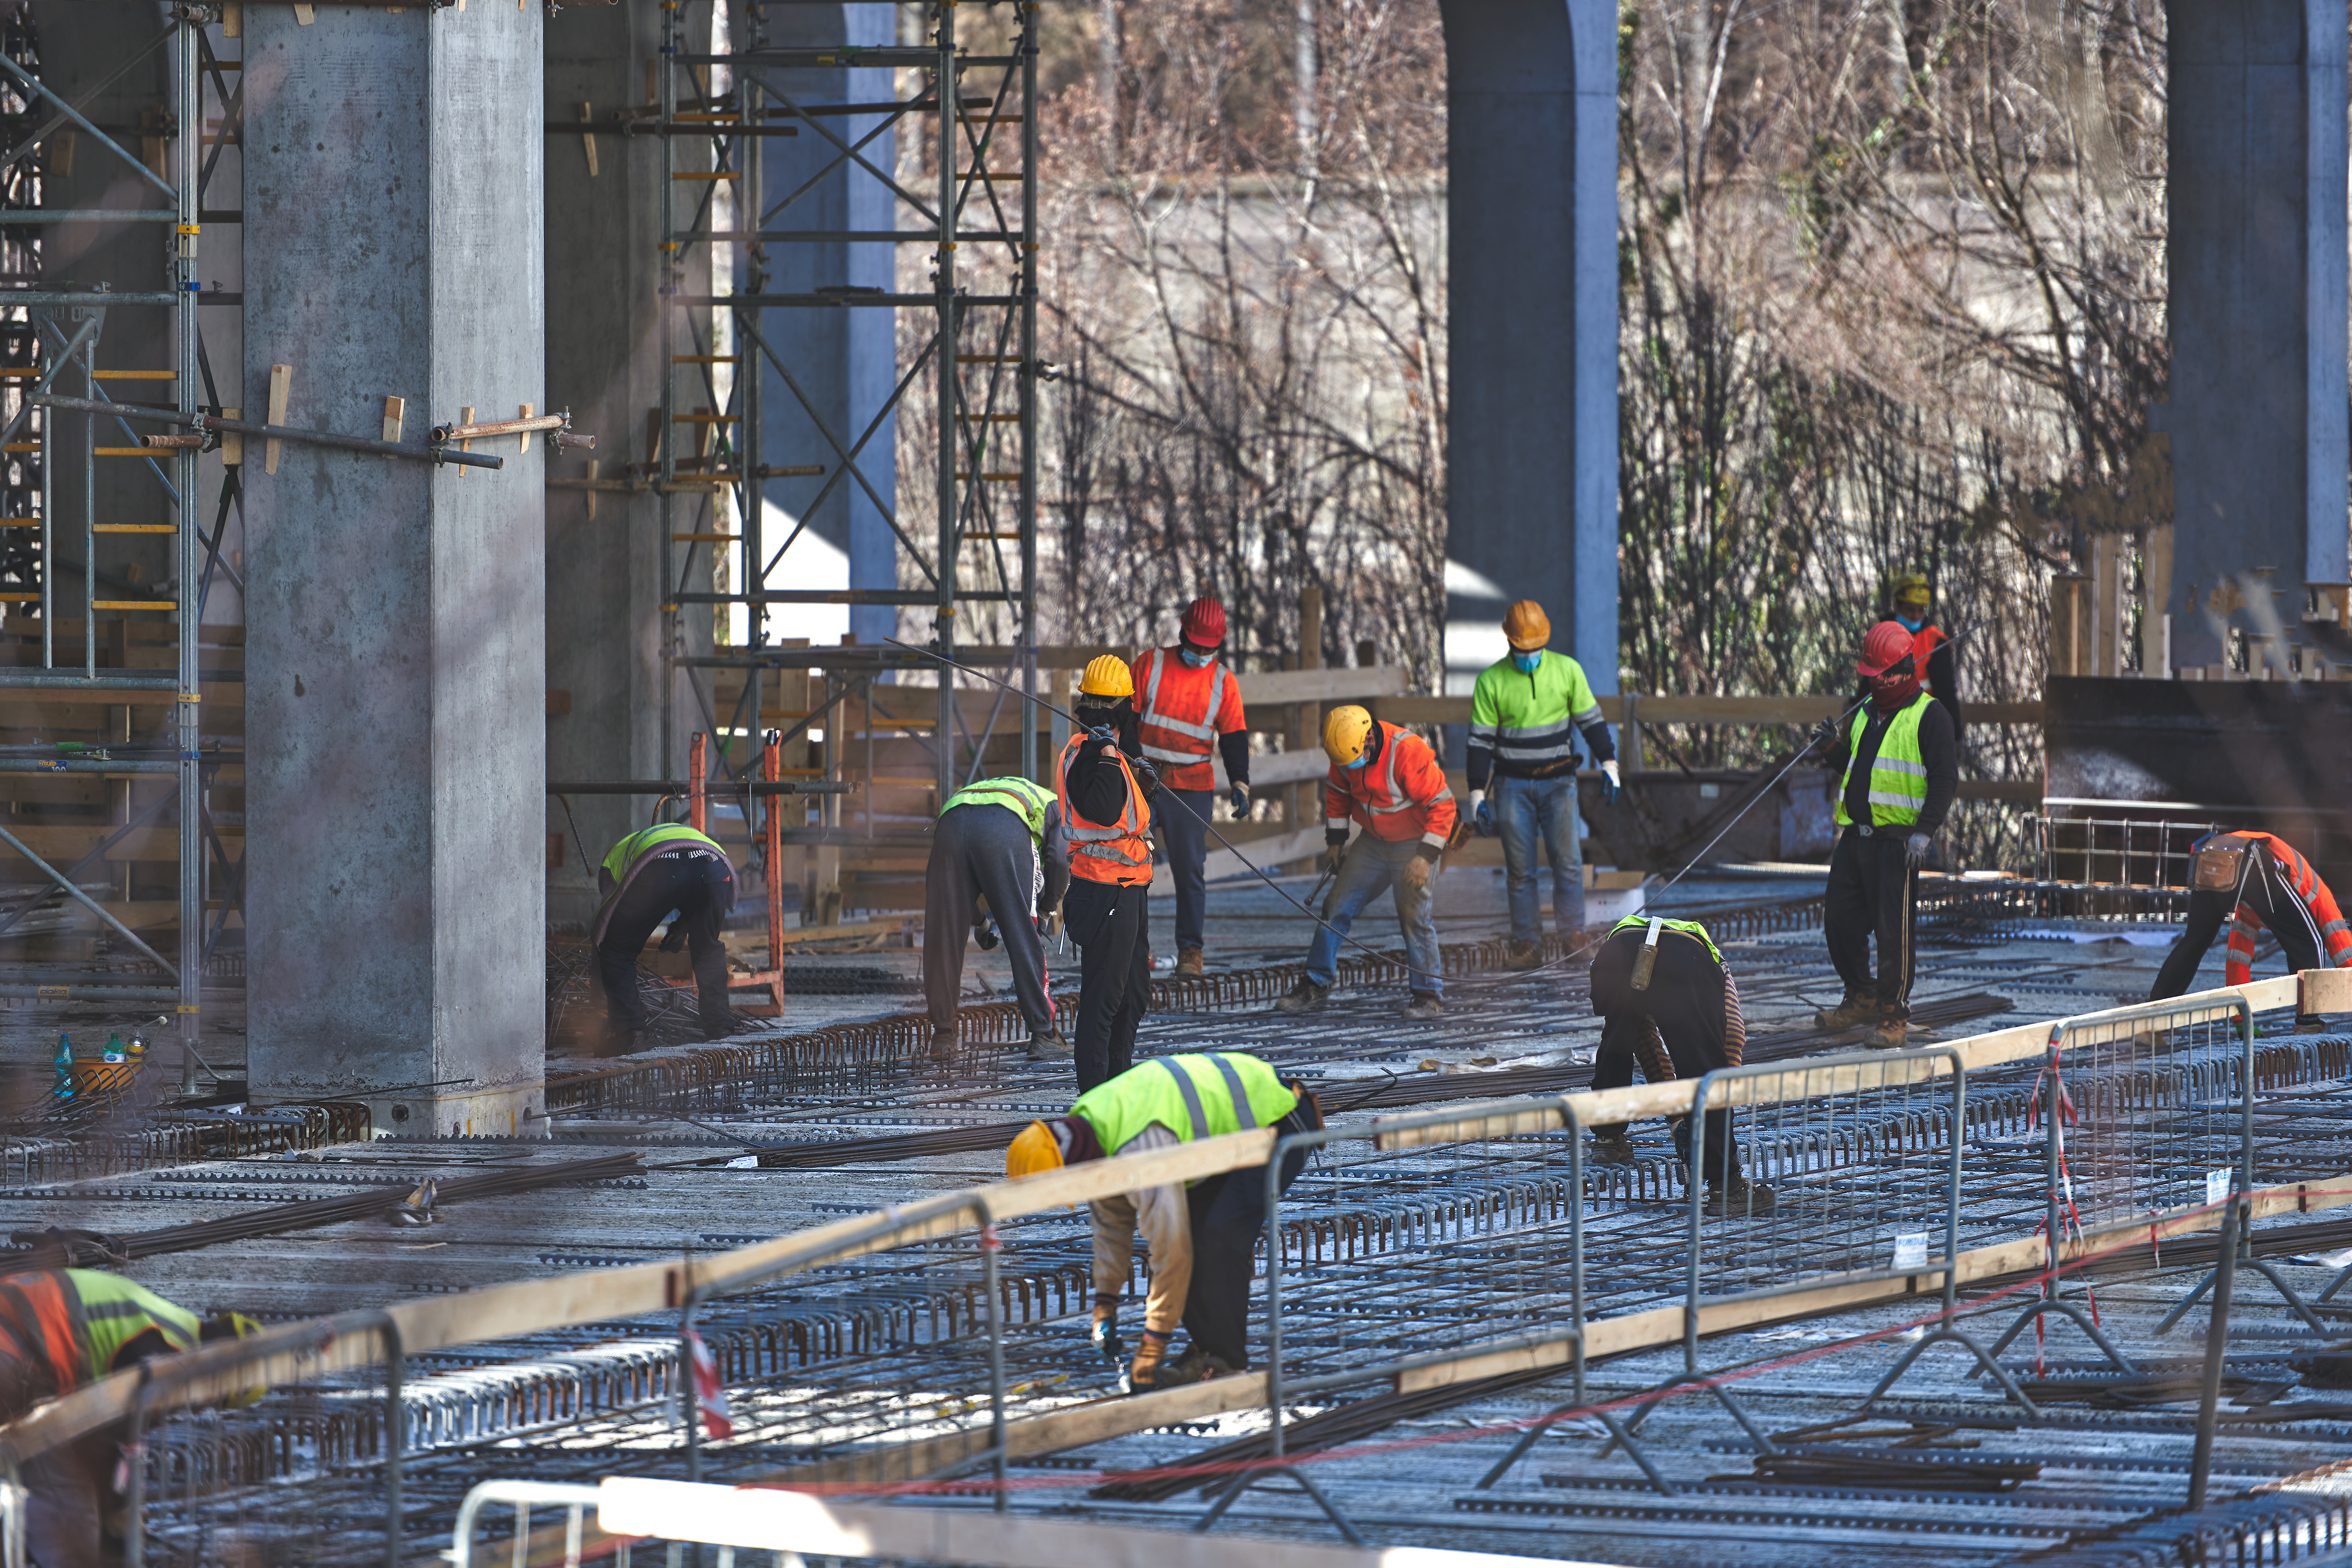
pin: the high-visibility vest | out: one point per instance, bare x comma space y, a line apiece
1528, 721
1183, 711
1118, 852
1194, 1097
1688, 928
647, 840
1898, 775
1402, 793
2335, 938
1025, 798
114, 1311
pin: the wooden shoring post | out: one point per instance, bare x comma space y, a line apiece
697, 792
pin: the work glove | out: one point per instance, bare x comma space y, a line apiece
1241, 803
1335, 848
985, 934
1052, 924
1150, 1352
674, 939
1825, 733
1915, 848
1482, 813
1105, 1334
1609, 772
1147, 774
1415, 874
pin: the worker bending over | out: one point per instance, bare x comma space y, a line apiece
1105, 787
63, 1328
1202, 1235
1185, 701
668, 869
2261, 878
1000, 863
1388, 782
1902, 770
1676, 1013
1525, 714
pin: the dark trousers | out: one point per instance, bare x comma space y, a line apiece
1681, 1009
2284, 915
1110, 923
1872, 892
1182, 816
983, 852
72, 1488
1228, 1214
701, 889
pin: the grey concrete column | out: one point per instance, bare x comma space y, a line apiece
396, 751
2256, 258
1531, 235
844, 361
604, 362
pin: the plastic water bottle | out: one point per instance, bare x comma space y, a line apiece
65, 1084
138, 1048
114, 1046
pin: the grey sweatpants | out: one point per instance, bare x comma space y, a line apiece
980, 851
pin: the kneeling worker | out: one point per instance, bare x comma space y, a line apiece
656, 871
1668, 1001
1105, 787
1387, 780
1203, 1236
998, 842
2261, 878
60, 1330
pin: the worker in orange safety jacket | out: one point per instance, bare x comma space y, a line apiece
1388, 782
1104, 784
2261, 878
1186, 701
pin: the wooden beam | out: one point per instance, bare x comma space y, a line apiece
1286, 686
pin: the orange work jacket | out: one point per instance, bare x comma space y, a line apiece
2238, 965
1119, 852
1183, 711
1402, 793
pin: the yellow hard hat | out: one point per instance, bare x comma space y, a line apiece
1036, 1150
1911, 588
1527, 627
1108, 676
1345, 730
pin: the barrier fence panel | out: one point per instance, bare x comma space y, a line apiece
269, 1457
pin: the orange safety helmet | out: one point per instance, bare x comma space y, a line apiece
1527, 627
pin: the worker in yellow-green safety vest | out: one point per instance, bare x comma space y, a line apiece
667, 871
61, 1329
1901, 768
1000, 863
1668, 1003
1202, 1235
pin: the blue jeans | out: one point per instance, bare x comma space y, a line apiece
1525, 808
1372, 866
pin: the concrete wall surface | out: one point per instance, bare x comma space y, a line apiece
395, 709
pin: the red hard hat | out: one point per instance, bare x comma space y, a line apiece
1204, 623
1888, 645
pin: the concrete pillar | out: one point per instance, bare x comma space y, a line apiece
846, 361
605, 669
396, 752
1531, 228
2256, 258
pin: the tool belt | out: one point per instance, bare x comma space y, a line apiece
2218, 869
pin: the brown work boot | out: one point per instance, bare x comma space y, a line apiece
1610, 1149
1853, 1011
1304, 997
1523, 955
1424, 1009
1887, 1033
1188, 962
1738, 1198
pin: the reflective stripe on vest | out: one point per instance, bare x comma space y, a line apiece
1898, 774
1119, 853
114, 1311
1205, 731
647, 840
1688, 928
1168, 1091
1025, 798
1395, 799
2303, 880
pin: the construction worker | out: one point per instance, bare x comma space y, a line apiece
1186, 699
1000, 863
2261, 878
1915, 609
1105, 784
60, 1330
1202, 1235
655, 872
1388, 782
1667, 1001
1902, 770
1525, 714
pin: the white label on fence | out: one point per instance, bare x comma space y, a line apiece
1911, 1251
2217, 1186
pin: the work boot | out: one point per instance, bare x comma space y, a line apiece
1855, 1010
2310, 1023
943, 1046
1188, 963
1304, 997
1519, 955
1610, 1149
1424, 1009
1887, 1033
1738, 1198
1047, 1045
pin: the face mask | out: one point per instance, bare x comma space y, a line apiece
1527, 662
1907, 623
1361, 761
1195, 659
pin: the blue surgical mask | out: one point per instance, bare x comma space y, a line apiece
1362, 759
1907, 624
1527, 662
1196, 658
